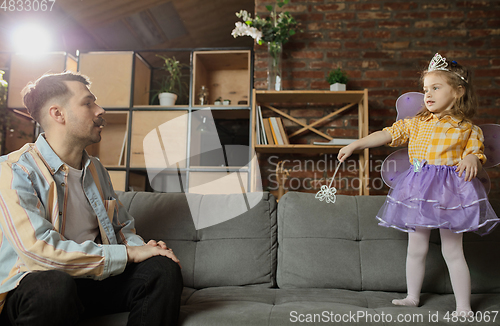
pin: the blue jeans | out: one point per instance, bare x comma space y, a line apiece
150, 290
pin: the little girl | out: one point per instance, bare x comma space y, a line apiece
440, 189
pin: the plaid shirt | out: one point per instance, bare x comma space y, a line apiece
439, 141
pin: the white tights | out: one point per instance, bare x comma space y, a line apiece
452, 249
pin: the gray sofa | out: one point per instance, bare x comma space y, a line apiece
304, 262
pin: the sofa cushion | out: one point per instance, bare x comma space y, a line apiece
346, 307
341, 245
316, 243
254, 306
239, 251
249, 305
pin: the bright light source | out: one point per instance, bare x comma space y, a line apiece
31, 39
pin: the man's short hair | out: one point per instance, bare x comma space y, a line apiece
37, 94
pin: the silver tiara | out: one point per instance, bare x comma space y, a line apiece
439, 63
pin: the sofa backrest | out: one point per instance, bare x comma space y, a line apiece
340, 245
239, 251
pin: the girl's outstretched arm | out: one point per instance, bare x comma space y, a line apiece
376, 139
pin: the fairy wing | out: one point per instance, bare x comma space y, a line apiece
485, 180
491, 133
408, 105
394, 165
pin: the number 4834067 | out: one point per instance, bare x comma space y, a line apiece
27, 5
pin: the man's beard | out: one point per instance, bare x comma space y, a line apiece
99, 122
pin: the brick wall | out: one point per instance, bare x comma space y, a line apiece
382, 45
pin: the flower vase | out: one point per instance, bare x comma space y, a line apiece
275, 51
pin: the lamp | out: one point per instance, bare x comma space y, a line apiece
32, 39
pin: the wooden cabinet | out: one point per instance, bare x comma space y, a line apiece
155, 148
346, 100
162, 135
227, 76
111, 75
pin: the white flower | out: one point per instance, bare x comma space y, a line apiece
245, 30
243, 14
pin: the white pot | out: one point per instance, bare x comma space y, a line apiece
337, 87
167, 99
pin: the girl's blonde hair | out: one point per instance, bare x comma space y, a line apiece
456, 76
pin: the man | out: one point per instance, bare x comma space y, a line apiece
67, 246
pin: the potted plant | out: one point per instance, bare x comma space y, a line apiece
337, 80
171, 86
218, 101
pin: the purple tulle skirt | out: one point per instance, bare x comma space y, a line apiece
436, 197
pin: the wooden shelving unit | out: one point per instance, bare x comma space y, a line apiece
122, 82
348, 99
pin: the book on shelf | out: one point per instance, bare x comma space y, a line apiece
260, 126
337, 141
283, 132
276, 131
268, 132
257, 131
271, 131
121, 160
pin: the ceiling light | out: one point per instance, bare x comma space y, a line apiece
31, 39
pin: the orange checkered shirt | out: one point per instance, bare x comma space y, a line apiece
439, 141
